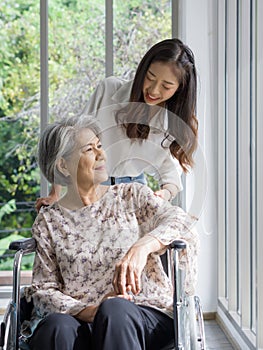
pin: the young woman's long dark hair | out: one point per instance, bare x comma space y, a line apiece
181, 107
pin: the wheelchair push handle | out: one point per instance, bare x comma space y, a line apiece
178, 244
26, 244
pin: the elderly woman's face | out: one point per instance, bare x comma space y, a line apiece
87, 163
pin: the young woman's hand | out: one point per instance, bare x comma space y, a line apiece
44, 201
52, 197
167, 192
164, 194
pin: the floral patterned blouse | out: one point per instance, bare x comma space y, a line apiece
77, 250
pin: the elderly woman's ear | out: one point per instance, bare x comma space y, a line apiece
62, 167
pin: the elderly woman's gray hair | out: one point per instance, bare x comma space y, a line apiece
58, 141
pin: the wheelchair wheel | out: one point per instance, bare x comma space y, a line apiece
191, 332
200, 323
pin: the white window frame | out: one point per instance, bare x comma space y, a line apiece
240, 171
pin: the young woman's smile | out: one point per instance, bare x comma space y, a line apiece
160, 83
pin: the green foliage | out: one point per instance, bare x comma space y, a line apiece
152, 183
4, 243
138, 25
27, 263
6, 255
19, 54
76, 64
7, 208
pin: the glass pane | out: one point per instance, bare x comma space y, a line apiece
77, 45
19, 119
138, 25
76, 53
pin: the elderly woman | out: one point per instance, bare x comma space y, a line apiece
98, 281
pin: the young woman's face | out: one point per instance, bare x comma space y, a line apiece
87, 164
160, 83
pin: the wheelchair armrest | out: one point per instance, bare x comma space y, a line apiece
26, 244
178, 244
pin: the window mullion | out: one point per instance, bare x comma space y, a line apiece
231, 161
221, 152
44, 81
244, 231
109, 38
259, 172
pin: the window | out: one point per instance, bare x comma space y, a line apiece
240, 169
19, 119
52, 55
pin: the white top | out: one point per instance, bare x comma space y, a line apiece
77, 250
126, 157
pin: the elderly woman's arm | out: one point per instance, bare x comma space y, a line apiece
47, 284
159, 223
128, 270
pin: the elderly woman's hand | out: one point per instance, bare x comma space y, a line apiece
128, 271
88, 314
127, 275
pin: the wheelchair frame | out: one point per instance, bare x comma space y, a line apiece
187, 311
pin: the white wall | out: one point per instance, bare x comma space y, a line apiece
198, 29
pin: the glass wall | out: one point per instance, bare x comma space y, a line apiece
52, 55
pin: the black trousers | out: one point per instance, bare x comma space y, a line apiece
119, 325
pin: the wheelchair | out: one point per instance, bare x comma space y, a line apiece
188, 316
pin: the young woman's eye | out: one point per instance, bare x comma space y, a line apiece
149, 78
166, 87
99, 145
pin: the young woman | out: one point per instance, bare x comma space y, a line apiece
149, 123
